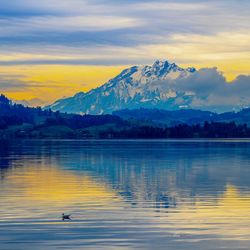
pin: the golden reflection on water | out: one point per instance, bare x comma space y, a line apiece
226, 215
52, 185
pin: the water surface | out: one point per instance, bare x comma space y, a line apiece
125, 194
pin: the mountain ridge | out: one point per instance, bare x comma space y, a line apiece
135, 87
162, 85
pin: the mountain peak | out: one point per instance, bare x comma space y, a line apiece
166, 66
160, 67
138, 86
160, 63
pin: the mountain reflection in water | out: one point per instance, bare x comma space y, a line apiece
125, 194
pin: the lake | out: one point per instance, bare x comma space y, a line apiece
125, 194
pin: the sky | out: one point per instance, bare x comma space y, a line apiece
54, 48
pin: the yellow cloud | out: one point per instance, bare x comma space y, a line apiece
229, 51
50, 82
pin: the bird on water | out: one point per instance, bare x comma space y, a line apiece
66, 216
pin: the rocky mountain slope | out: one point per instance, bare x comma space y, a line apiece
135, 87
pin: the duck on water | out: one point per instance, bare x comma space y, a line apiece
66, 216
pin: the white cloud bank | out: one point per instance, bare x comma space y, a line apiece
212, 91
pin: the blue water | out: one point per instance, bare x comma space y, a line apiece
125, 194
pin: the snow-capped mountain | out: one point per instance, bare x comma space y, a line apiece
135, 87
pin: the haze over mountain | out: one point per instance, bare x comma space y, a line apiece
34, 102
163, 85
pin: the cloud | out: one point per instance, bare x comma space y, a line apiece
19, 83
33, 25
130, 21
230, 51
109, 32
211, 90
44, 7
171, 6
196, 33
11, 82
51, 82
13, 86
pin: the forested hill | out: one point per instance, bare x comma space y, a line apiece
12, 114
183, 116
17, 121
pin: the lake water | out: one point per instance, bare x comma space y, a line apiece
125, 195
